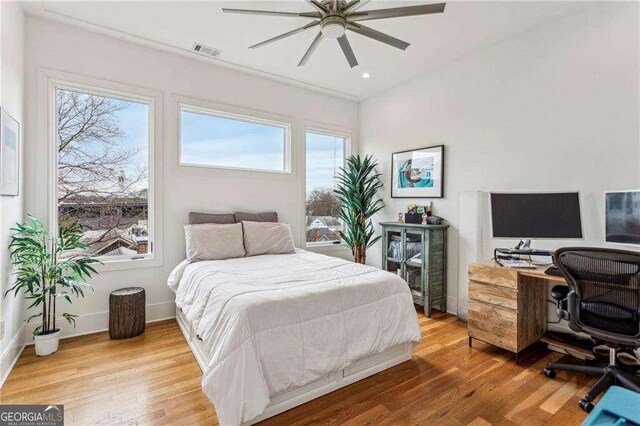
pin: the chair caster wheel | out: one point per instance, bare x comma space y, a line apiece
549, 373
585, 405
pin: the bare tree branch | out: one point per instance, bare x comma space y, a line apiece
322, 202
101, 185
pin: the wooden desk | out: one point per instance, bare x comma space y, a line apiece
508, 307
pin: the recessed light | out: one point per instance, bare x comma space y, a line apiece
366, 75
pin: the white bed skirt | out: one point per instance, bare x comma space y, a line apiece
297, 396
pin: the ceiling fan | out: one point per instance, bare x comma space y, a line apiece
335, 17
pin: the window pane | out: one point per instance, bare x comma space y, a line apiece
211, 140
103, 172
325, 156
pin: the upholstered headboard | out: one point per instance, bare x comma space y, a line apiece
196, 218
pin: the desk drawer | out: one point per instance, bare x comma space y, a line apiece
493, 324
494, 294
502, 277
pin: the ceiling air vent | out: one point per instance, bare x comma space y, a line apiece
206, 50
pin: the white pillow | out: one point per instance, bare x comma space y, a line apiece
213, 241
267, 238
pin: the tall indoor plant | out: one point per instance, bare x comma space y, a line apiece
45, 275
357, 190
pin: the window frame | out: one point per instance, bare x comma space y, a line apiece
323, 130
153, 99
238, 114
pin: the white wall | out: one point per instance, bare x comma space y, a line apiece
556, 108
11, 208
56, 46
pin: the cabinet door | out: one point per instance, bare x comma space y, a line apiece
393, 255
414, 263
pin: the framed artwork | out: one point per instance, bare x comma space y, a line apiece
418, 173
9, 154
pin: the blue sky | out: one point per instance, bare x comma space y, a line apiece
134, 120
218, 141
325, 156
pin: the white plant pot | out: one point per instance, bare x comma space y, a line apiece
48, 343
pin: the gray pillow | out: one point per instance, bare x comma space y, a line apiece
267, 238
197, 218
210, 241
256, 217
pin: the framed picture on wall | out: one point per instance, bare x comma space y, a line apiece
9, 154
418, 173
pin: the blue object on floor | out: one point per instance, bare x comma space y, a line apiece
619, 407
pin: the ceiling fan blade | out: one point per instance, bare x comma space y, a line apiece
354, 5
397, 12
310, 50
285, 35
319, 6
377, 35
273, 13
348, 51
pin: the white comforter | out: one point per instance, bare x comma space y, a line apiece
274, 322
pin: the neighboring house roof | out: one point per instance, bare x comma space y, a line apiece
330, 221
120, 251
322, 234
113, 242
310, 219
327, 221
98, 213
85, 201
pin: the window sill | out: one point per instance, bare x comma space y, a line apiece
326, 248
127, 264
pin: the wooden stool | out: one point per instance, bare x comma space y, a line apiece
126, 312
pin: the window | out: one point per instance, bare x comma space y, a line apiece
324, 158
214, 139
103, 174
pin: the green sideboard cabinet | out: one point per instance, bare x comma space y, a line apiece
418, 253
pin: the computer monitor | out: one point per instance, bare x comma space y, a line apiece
536, 215
622, 217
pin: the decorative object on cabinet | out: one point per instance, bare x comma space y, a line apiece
419, 252
414, 218
435, 220
418, 173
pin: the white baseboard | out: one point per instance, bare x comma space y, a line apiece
452, 305
99, 321
11, 355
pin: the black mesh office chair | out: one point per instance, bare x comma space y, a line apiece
603, 301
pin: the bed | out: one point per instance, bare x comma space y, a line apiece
271, 332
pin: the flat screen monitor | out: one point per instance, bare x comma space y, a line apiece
536, 215
622, 217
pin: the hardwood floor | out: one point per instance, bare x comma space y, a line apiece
154, 380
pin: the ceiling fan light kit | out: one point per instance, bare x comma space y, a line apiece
335, 17
333, 27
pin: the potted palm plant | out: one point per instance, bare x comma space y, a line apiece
45, 273
358, 184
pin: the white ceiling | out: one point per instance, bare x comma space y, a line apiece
436, 39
